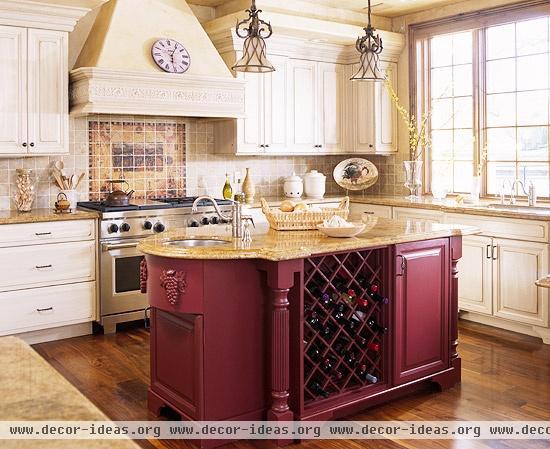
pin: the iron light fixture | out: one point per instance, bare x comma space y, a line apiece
254, 31
370, 47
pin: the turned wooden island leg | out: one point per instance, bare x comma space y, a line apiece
280, 279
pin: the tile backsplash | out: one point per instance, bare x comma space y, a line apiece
185, 162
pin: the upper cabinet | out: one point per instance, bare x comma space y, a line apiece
34, 77
309, 105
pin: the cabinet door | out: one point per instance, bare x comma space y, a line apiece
275, 106
358, 210
48, 90
363, 115
302, 106
385, 113
516, 267
330, 108
13, 92
421, 326
249, 129
475, 275
177, 360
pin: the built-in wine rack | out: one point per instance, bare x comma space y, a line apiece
344, 323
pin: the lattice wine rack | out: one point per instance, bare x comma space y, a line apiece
344, 316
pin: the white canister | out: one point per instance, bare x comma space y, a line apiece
315, 184
293, 186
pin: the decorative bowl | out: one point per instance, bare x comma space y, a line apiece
342, 232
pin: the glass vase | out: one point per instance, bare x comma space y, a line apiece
413, 178
25, 189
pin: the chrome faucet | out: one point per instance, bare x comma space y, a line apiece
237, 219
531, 194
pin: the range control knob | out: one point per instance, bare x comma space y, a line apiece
159, 227
124, 227
147, 225
193, 224
214, 220
205, 220
112, 228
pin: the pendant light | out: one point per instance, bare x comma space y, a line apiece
254, 31
370, 47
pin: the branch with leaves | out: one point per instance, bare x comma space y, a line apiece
419, 138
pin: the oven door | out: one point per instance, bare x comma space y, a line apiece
119, 267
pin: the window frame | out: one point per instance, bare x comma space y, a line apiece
420, 67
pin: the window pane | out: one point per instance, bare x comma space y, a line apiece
462, 80
501, 75
501, 110
463, 173
442, 114
440, 53
533, 72
462, 48
442, 82
501, 144
501, 41
463, 112
533, 108
442, 175
533, 144
497, 172
537, 174
442, 145
464, 144
532, 36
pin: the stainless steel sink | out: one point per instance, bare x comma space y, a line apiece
197, 242
520, 208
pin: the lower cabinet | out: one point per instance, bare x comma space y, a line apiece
498, 278
421, 327
371, 209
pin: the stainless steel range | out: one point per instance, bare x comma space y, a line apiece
121, 228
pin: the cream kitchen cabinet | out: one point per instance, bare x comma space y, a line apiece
264, 129
406, 213
52, 284
372, 114
34, 82
357, 210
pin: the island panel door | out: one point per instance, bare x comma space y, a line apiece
421, 333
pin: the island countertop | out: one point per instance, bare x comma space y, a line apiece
273, 245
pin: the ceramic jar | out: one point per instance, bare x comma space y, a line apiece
249, 189
25, 192
293, 186
315, 184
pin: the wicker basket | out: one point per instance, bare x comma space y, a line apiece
302, 220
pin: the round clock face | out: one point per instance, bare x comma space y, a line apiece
171, 56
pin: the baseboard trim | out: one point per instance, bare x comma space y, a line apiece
56, 333
499, 323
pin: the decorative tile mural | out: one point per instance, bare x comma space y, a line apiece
148, 154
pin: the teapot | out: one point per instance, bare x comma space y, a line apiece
62, 204
119, 197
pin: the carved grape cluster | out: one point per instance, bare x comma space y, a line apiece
174, 283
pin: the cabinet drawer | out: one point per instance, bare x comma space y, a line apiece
374, 209
530, 230
46, 232
406, 213
43, 308
43, 265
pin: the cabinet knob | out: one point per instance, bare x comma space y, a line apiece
371, 145
25, 144
32, 144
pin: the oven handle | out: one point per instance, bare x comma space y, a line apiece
112, 246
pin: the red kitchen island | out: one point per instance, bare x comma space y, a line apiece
299, 326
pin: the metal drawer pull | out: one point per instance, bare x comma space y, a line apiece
39, 234
489, 251
495, 252
45, 310
43, 267
403, 265
110, 247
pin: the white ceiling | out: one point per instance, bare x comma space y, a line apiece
388, 8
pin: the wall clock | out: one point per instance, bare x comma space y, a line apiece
171, 56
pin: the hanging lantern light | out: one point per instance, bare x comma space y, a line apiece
370, 47
254, 31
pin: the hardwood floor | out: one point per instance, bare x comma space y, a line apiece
505, 376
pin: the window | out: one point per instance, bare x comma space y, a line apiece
487, 85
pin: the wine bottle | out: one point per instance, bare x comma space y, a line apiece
366, 376
352, 326
339, 313
327, 302
362, 304
375, 347
340, 346
327, 331
373, 290
350, 359
314, 353
316, 387
328, 367
375, 326
314, 321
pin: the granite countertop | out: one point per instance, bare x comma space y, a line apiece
450, 205
32, 390
286, 245
544, 282
41, 215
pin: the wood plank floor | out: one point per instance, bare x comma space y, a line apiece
505, 376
